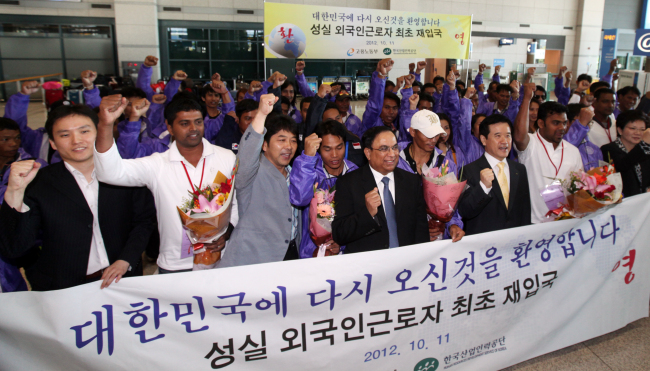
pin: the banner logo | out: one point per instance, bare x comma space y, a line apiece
644, 43
287, 40
427, 364
350, 52
387, 51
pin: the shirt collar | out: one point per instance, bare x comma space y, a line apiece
379, 176
78, 173
493, 161
548, 144
175, 155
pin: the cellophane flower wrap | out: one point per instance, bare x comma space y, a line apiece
442, 190
321, 216
205, 215
592, 190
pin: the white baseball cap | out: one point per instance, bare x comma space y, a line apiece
428, 123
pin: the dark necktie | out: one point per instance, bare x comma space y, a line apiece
389, 210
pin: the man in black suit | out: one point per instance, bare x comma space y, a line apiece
379, 206
90, 230
498, 197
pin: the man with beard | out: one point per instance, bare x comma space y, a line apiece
545, 154
379, 206
269, 225
190, 162
602, 129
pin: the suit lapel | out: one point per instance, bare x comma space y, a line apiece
65, 183
514, 181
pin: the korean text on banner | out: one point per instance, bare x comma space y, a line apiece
484, 303
322, 32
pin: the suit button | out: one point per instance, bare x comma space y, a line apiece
286, 241
289, 220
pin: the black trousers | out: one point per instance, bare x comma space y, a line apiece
292, 251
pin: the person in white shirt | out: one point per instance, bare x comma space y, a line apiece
545, 154
89, 230
602, 129
191, 161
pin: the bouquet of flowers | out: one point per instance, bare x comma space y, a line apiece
441, 194
205, 216
592, 190
321, 216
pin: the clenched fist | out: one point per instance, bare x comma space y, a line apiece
384, 66
411, 67
110, 109
585, 116
373, 201
88, 78
529, 90
266, 104
469, 93
451, 80
30, 87
421, 65
179, 75
409, 80
255, 86
21, 174
312, 143
413, 101
138, 109
279, 80
324, 90
300, 66
487, 177
335, 90
150, 61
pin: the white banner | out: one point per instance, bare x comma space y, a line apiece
485, 303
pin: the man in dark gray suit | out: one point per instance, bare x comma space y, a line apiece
269, 226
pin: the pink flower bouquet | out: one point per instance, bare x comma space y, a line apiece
441, 194
321, 216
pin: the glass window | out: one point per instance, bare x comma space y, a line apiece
233, 35
97, 32
27, 30
234, 51
187, 33
229, 70
14, 47
195, 70
188, 50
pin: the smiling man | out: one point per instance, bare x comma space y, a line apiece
546, 155
191, 161
269, 225
90, 230
495, 183
379, 206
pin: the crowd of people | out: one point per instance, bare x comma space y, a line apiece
84, 196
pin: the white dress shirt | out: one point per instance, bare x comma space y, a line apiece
542, 170
164, 175
598, 134
98, 259
380, 185
494, 165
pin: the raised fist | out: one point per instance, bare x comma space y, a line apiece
497, 69
469, 93
30, 87
585, 116
159, 99
409, 79
216, 77
219, 87
279, 80
335, 90
481, 88
413, 101
481, 68
384, 66
487, 177
451, 80
324, 90
515, 85
300, 66
21, 174
399, 82
569, 75
531, 70
421, 65
110, 109
312, 143
266, 104
529, 90
411, 67
179, 75
613, 64
150, 61
88, 78
255, 86
139, 108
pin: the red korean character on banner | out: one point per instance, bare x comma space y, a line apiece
629, 276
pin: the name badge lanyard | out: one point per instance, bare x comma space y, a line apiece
557, 168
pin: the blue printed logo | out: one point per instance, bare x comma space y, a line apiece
350, 52
427, 364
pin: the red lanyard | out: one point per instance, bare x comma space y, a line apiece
557, 169
190, 180
609, 124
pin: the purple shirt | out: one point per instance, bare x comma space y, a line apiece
589, 152
144, 83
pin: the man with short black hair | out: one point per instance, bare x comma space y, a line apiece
90, 230
546, 155
269, 225
627, 99
190, 162
507, 102
379, 206
602, 129
498, 196
583, 81
230, 134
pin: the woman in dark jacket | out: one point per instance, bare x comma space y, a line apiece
630, 152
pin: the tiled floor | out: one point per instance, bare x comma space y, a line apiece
627, 349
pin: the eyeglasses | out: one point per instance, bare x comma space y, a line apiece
385, 149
